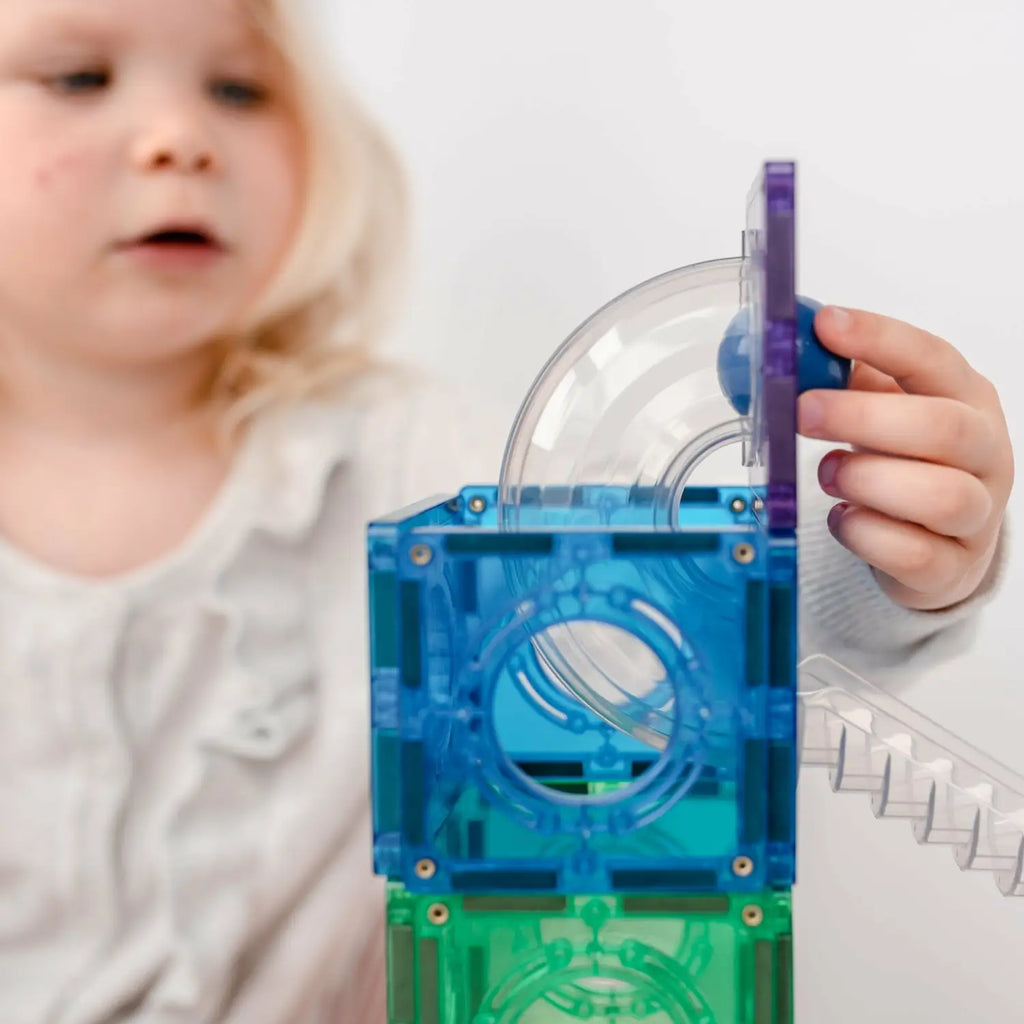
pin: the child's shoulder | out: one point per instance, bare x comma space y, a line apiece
419, 436
383, 444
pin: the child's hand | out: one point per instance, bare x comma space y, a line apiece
924, 490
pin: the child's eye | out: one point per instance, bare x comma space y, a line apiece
80, 82
237, 93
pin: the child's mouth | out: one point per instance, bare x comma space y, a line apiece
178, 238
176, 249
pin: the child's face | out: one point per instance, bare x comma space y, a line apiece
120, 118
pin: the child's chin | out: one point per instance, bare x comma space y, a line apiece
153, 335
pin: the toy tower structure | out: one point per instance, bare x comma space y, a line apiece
552, 854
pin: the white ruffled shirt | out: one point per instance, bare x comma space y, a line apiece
184, 817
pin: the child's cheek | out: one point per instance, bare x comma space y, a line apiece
62, 170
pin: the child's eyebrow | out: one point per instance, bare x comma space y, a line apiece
92, 27
67, 25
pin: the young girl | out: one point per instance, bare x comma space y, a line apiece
199, 235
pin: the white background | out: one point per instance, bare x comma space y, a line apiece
562, 151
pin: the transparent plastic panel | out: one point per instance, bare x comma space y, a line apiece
634, 396
633, 399
490, 774
630, 959
912, 768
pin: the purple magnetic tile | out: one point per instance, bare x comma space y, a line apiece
771, 225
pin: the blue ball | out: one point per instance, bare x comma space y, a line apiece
816, 366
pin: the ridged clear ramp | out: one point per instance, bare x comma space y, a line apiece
910, 767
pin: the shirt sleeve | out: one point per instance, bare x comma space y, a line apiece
845, 614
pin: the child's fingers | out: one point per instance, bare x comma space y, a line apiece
909, 554
938, 430
919, 362
867, 378
943, 500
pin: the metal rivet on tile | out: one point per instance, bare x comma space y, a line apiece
425, 868
437, 913
744, 553
743, 867
420, 554
753, 915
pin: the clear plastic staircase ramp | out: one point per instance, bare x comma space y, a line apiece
913, 769
631, 404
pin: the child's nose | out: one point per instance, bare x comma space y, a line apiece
170, 158
180, 144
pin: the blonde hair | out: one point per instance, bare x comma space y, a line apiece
316, 323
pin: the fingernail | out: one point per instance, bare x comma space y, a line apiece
837, 318
812, 412
827, 471
836, 514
